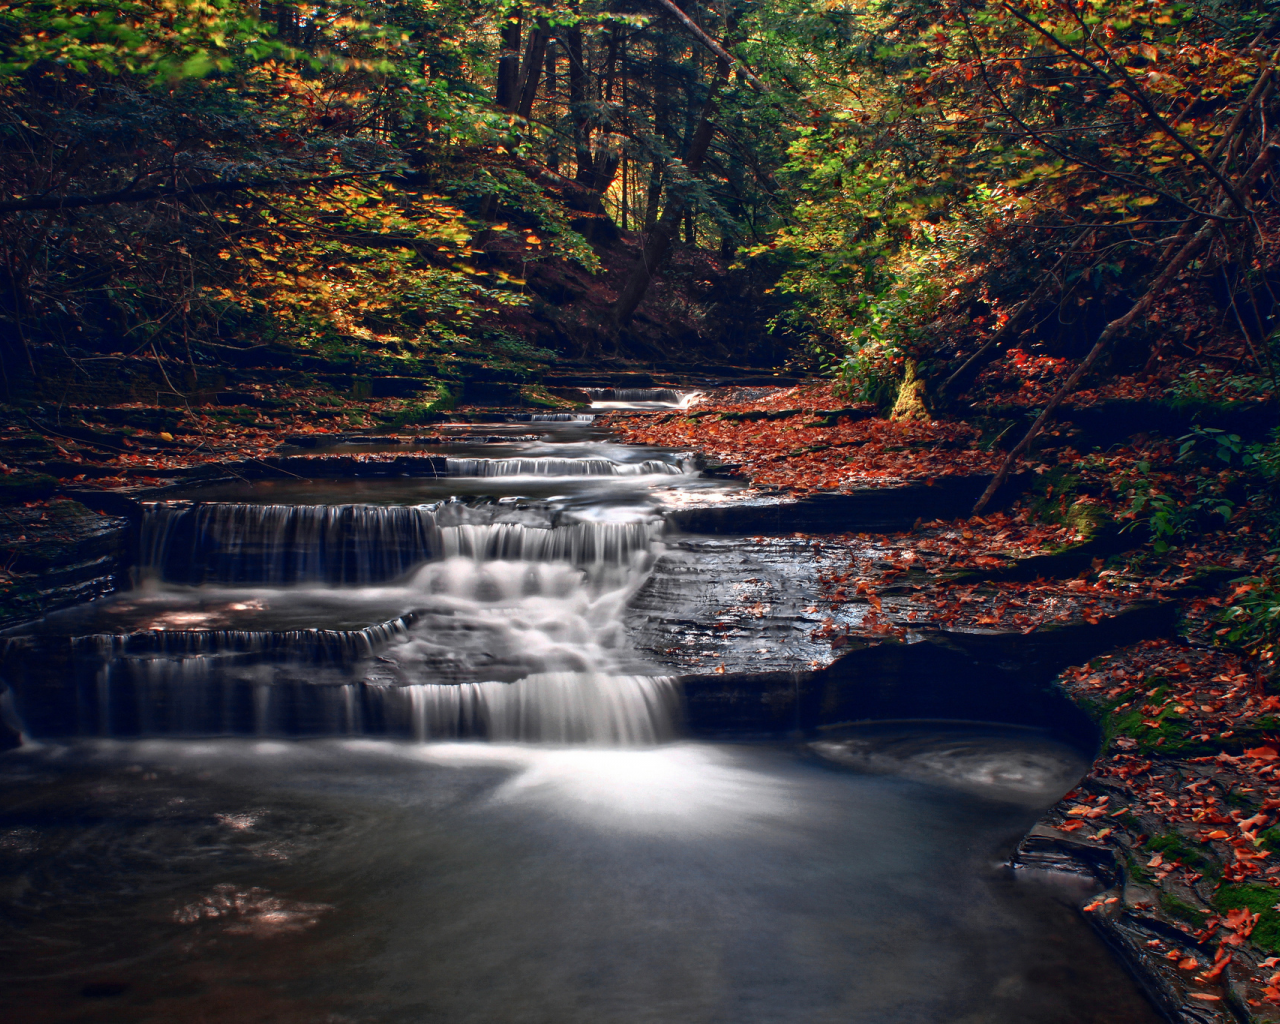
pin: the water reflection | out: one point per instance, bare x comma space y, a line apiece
367, 881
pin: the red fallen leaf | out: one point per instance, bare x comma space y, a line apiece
1241, 921
1071, 826
1156, 861
1263, 753
1189, 964
875, 601
1205, 997
1219, 966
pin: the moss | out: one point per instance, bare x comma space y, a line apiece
1176, 847
1137, 871
1182, 910
910, 401
425, 413
26, 486
1171, 734
539, 397
1242, 800
1259, 899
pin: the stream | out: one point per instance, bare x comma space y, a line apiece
380, 749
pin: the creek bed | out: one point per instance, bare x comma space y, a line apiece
371, 881
385, 750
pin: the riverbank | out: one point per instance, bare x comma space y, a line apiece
1176, 816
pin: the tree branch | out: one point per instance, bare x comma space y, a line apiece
711, 44
1194, 246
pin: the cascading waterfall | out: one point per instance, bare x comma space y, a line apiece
578, 544
670, 398
229, 542
232, 543
559, 467
507, 630
553, 707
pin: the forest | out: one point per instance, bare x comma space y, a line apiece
974, 303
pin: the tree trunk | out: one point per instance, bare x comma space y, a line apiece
509, 62
659, 240
577, 107
532, 70
652, 195
553, 150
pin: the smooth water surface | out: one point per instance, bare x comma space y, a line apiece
368, 881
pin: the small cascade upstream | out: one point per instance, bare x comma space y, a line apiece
643, 398
560, 467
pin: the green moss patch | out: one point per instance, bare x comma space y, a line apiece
1177, 847
1258, 899
1182, 910
26, 486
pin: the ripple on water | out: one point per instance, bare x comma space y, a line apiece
999, 763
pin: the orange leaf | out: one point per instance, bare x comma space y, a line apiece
1219, 966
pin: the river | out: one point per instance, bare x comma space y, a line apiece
379, 750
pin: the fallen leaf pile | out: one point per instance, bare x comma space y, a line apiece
815, 447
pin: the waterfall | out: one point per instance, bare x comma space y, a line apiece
228, 542
559, 467
579, 544
486, 619
555, 707
670, 398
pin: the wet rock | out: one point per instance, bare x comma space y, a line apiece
1139, 937
879, 509
58, 554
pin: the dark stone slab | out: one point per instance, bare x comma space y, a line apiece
1003, 678
60, 555
878, 509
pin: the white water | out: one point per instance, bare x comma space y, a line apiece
643, 398
499, 630
561, 467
